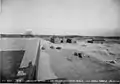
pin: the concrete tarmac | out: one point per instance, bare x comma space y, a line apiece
44, 69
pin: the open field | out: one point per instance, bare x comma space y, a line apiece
93, 63
96, 61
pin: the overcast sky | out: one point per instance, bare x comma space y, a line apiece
82, 17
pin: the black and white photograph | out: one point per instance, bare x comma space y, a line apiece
60, 41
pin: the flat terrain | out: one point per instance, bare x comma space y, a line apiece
93, 65
62, 63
